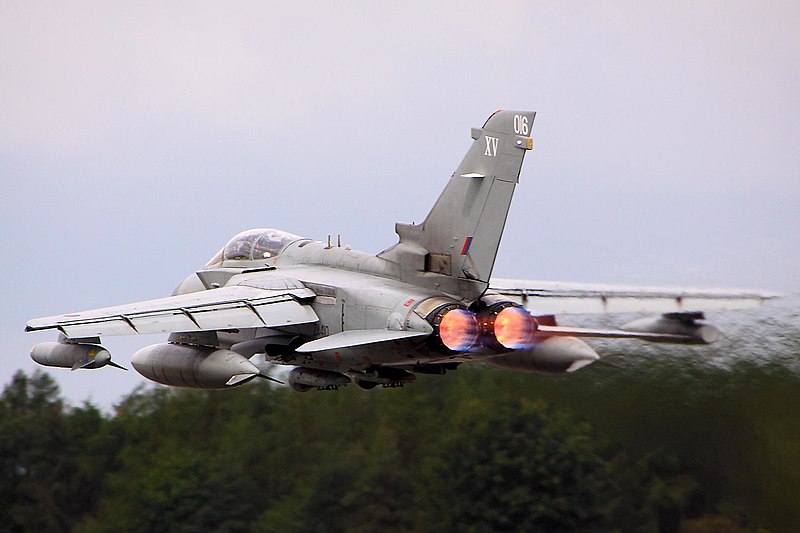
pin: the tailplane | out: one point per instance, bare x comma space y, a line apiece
454, 248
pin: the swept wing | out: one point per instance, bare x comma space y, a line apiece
232, 307
557, 298
681, 309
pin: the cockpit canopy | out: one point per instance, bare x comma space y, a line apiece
253, 245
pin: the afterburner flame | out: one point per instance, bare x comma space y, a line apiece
514, 327
458, 330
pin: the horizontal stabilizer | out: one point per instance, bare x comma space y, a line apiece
349, 339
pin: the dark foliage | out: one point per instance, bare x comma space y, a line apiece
479, 450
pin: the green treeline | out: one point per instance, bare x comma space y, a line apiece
608, 449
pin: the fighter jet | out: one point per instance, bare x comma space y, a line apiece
427, 304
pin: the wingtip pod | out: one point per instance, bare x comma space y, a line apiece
678, 328
72, 355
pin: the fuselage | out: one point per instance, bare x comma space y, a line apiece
352, 291
336, 314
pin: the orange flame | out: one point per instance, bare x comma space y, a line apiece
514, 327
458, 330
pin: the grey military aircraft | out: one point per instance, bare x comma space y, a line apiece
424, 305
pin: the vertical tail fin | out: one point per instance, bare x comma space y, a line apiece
454, 248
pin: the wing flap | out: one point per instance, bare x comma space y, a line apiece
224, 308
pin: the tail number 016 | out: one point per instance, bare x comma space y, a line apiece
521, 126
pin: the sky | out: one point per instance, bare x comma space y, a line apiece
137, 138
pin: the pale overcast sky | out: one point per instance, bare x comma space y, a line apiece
136, 138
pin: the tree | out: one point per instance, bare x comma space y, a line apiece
47, 456
519, 466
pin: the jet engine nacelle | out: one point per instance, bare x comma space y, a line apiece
505, 325
302, 379
198, 367
493, 322
68, 355
682, 324
552, 355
